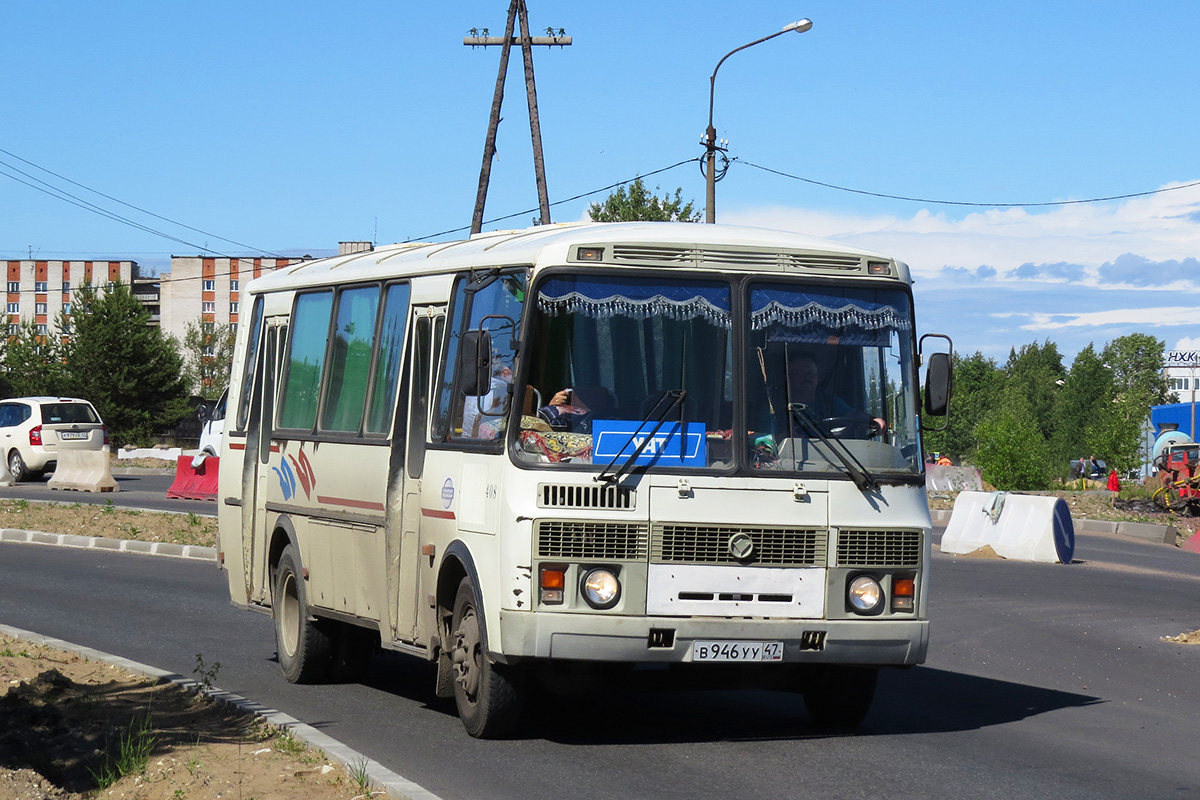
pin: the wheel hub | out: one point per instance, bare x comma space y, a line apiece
466, 654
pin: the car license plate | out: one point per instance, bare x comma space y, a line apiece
737, 651
72, 434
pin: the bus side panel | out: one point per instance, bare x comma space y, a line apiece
339, 486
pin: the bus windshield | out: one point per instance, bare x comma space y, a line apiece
642, 372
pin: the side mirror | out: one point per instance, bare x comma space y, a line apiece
202, 413
937, 385
475, 363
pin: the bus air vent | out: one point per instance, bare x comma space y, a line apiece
699, 257
581, 539
711, 544
859, 548
558, 495
825, 262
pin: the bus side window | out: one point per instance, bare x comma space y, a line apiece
419, 405
305, 361
251, 362
493, 303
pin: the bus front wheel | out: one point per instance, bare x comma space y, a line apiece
839, 696
306, 651
487, 694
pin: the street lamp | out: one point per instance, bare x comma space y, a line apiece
710, 136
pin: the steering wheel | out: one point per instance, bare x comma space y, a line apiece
851, 427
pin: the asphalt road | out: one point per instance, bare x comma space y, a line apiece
144, 489
1044, 681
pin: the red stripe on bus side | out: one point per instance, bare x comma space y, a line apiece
347, 502
437, 512
236, 446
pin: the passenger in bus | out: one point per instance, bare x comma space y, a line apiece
573, 410
488, 422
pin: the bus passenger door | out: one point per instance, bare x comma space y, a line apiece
262, 428
428, 323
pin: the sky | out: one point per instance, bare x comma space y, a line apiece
283, 128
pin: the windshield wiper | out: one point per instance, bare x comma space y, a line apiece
861, 476
677, 397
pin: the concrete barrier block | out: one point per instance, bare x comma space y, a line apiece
1098, 526
1159, 534
940, 478
1017, 526
83, 471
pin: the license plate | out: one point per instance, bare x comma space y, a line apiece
737, 651
72, 434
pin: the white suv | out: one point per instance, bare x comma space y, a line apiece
34, 429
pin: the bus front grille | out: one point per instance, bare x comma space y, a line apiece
713, 544
580, 539
858, 548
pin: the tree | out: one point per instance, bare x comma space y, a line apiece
1085, 394
1012, 454
208, 356
1135, 362
640, 204
1035, 370
127, 369
977, 384
33, 363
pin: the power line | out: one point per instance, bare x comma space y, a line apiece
557, 202
965, 202
63, 195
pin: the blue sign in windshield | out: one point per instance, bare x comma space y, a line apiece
674, 444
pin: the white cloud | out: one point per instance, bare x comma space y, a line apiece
1159, 227
1146, 317
995, 279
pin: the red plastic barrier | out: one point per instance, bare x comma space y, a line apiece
195, 483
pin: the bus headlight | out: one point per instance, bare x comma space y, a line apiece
864, 594
601, 588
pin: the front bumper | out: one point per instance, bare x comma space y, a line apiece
586, 637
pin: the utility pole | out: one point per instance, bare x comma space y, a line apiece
516, 12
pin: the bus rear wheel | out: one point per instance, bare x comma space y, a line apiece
306, 651
839, 696
487, 694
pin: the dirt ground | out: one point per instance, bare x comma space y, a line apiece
69, 726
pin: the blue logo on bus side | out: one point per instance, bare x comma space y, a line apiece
447, 493
287, 479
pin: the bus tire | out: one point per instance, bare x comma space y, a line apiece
487, 694
839, 696
306, 651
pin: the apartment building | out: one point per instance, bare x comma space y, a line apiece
41, 291
197, 289
208, 289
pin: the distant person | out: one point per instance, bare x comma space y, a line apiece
944, 461
1094, 469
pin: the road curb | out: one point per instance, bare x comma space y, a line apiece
171, 549
397, 786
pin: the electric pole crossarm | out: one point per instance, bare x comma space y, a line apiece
485, 41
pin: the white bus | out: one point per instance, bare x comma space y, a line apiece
540, 453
